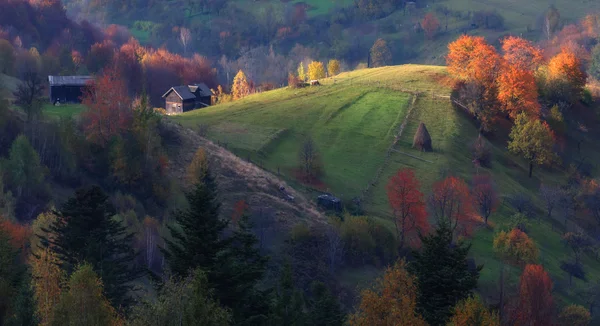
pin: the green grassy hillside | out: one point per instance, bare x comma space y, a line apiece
354, 118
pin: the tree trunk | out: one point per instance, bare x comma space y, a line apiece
501, 305
530, 169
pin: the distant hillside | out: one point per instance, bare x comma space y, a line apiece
363, 123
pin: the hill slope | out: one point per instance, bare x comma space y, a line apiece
363, 123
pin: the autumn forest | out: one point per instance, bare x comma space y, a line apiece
367, 162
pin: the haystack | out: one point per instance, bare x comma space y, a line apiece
422, 140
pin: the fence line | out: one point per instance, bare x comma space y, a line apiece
386, 161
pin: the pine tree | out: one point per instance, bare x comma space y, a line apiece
235, 278
443, 275
324, 309
23, 305
196, 236
11, 272
85, 231
289, 303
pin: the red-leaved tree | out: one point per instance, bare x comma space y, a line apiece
109, 107
536, 305
451, 203
408, 204
485, 196
430, 25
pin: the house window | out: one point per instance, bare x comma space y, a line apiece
174, 105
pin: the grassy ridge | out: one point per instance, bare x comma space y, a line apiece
353, 118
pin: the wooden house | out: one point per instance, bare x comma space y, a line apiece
67, 89
179, 99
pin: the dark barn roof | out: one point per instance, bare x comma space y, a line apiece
200, 89
69, 80
189, 92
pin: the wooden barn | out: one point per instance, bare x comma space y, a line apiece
179, 99
67, 89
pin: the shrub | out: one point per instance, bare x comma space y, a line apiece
367, 242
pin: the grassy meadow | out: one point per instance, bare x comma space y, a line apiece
354, 118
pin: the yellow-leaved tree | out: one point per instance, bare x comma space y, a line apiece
316, 70
241, 87
197, 168
392, 301
333, 67
472, 312
301, 72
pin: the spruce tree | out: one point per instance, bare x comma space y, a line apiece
288, 308
11, 273
197, 235
85, 231
443, 275
240, 268
324, 309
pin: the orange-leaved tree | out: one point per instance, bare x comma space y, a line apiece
536, 305
521, 54
451, 203
392, 301
109, 107
517, 91
568, 66
408, 204
430, 25
473, 312
477, 65
380, 54
516, 247
485, 196
472, 58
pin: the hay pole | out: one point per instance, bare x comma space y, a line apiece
418, 158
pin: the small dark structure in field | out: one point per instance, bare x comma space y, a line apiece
67, 89
179, 99
422, 140
330, 202
315, 83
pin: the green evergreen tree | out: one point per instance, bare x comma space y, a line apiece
86, 231
324, 309
443, 275
11, 272
241, 267
288, 308
183, 302
23, 305
197, 235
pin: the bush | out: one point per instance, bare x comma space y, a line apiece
367, 242
586, 97
480, 151
488, 20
